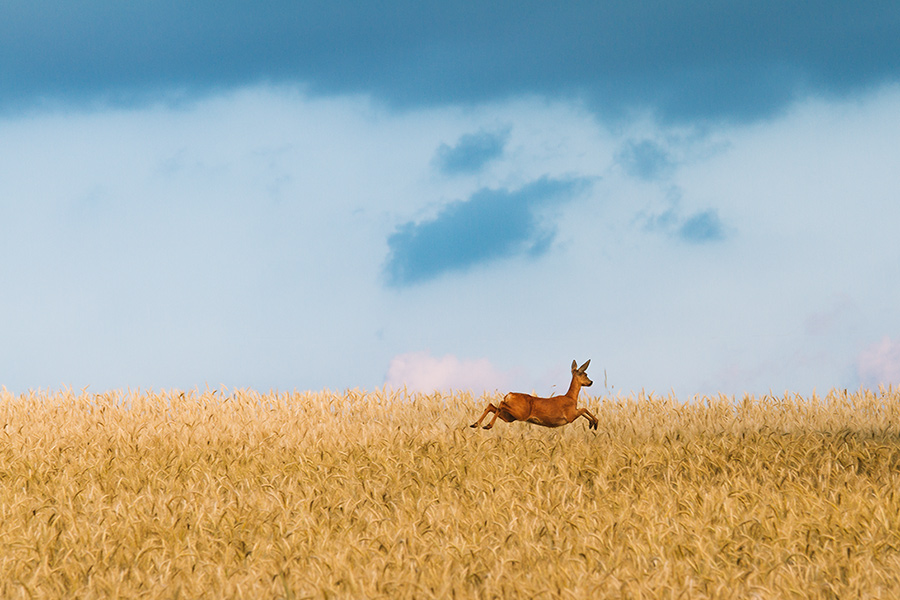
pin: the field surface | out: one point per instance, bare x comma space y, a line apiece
391, 495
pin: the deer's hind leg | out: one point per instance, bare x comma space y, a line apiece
504, 412
490, 409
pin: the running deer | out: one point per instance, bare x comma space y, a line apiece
549, 412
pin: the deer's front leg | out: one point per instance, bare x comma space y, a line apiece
592, 420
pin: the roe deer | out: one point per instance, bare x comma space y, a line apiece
549, 412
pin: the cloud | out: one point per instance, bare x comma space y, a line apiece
879, 364
644, 159
681, 60
702, 227
839, 314
471, 153
419, 371
491, 224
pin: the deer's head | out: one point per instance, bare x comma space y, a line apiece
579, 374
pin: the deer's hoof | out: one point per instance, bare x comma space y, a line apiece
487, 426
473, 425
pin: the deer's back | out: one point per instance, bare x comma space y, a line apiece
530, 405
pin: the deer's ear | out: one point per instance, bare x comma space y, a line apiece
585, 366
574, 366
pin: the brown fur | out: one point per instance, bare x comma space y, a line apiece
549, 412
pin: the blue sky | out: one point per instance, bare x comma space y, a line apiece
699, 197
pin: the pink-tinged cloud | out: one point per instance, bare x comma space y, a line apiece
419, 371
879, 364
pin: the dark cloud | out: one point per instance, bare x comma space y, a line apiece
491, 224
472, 152
683, 59
702, 227
644, 159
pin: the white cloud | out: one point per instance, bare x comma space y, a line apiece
422, 372
880, 363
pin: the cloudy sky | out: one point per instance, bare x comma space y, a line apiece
700, 197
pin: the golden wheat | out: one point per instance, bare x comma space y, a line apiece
247, 495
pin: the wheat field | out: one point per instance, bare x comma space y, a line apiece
237, 494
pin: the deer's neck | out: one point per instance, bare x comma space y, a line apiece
574, 388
